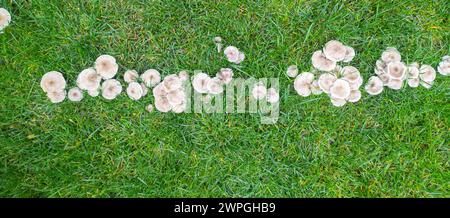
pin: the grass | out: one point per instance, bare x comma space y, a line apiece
392, 145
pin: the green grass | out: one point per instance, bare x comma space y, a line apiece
392, 145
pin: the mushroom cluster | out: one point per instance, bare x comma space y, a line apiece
392, 72
332, 53
5, 18
341, 84
204, 84
260, 92
170, 94
234, 55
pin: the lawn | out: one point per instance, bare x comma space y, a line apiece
395, 144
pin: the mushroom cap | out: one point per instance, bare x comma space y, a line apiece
315, 88
179, 108
111, 88
384, 78
144, 89
320, 62
106, 66
162, 104
391, 55
134, 91
338, 102
183, 75
75, 94
88, 79
396, 70
149, 108
241, 58
259, 91
232, 53
374, 86
395, 84
426, 84
5, 18
93, 93
325, 82
176, 97
159, 91
53, 82
200, 82
172, 82
225, 75
444, 68
151, 77
412, 71
57, 97
130, 76
427, 73
349, 54
355, 96
292, 71
214, 86
335, 51
380, 65
413, 82
272, 95
302, 83
217, 39
351, 74
340, 89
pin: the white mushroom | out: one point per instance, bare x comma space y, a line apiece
162, 104
176, 97
272, 95
200, 82
320, 62
5, 19
241, 58
444, 68
93, 93
335, 51
151, 77
172, 82
340, 89
56, 97
159, 91
106, 66
414, 82
134, 91
111, 88
179, 108
427, 74
75, 94
88, 79
292, 71
391, 55
225, 75
374, 86
349, 54
183, 75
315, 88
355, 95
149, 108
396, 70
338, 102
325, 81
130, 76
232, 53
144, 89
215, 86
412, 71
259, 91
53, 82
302, 83
395, 84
